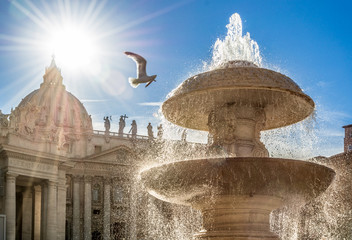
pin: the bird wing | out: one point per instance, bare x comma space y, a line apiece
140, 62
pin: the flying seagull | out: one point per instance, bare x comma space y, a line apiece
142, 76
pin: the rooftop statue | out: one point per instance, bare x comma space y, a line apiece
150, 131
107, 123
133, 129
160, 131
122, 124
4, 122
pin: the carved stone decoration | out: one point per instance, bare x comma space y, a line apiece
4, 121
27, 126
236, 130
13, 119
259, 148
122, 156
43, 117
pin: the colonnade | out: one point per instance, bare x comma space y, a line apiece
87, 214
43, 210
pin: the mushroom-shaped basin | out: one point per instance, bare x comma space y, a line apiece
187, 182
190, 104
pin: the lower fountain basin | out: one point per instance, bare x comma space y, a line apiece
236, 195
186, 182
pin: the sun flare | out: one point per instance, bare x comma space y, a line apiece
73, 46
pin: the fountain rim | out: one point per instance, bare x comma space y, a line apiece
225, 166
301, 95
237, 159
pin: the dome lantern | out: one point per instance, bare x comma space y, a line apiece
52, 76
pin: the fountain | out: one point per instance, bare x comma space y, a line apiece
234, 101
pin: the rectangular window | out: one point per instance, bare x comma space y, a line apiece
96, 211
97, 149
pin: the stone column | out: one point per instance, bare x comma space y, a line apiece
37, 198
44, 209
27, 206
76, 207
10, 206
87, 208
61, 210
107, 202
51, 223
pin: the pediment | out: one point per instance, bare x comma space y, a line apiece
119, 155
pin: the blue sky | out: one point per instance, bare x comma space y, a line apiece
309, 41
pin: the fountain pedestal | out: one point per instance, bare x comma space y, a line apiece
236, 129
238, 217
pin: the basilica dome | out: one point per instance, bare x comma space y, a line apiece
51, 112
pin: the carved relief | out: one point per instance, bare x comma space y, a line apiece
236, 130
27, 126
29, 166
259, 148
123, 156
43, 117
4, 122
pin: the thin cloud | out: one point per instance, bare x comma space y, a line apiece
331, 133
153, 104
93, 100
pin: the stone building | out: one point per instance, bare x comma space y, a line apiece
59, 178
348, 138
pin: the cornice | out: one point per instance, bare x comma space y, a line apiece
31, 155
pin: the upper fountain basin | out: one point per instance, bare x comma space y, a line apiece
191, 181
241, 83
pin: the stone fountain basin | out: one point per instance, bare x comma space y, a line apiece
191, 181
190, 104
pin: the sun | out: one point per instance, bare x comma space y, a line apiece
73, 32
74, 47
